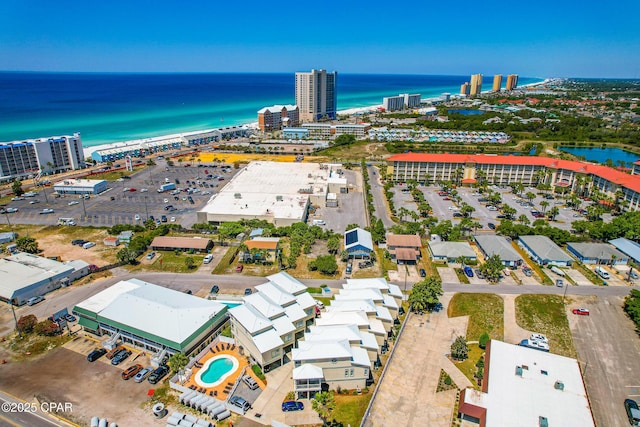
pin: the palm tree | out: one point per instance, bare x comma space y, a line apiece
523, 219
530, 196
543, 205
553, 213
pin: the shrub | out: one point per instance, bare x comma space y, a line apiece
256, 370
459, 349
47, 328
484, 339
27, 323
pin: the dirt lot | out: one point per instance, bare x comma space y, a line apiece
94, 389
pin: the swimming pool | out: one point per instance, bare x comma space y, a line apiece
216, 370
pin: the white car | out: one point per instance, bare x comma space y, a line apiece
137, 217
204, 193
75, 202
143, 190
166, 200
173, 219
539, 337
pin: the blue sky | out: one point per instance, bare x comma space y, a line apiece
561, 38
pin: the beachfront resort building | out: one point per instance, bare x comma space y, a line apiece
512, 81
160, 144
565, 175
152, 317
277, 117
80, 186
262, 191
476, 85
465, 89
497, 82
317, 95
527, 387
401, 102
43, 155
268, 323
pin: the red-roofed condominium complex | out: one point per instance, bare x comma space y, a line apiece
577, 177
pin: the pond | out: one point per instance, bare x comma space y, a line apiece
466, 112
601, 155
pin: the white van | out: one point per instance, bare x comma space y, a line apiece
319, 222
207, 259
600, 271
88, 245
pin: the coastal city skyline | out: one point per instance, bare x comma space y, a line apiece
119, 37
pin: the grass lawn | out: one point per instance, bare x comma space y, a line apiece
114, 175
356, 151
546, 314
461, 276
226, 264
468, 367
385, 263
350, 409
485, 311
170, 262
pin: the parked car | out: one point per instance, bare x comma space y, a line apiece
215, 289
114, 351
96, 354
633, 413
151, 255
423, 272
120, 357
12, 210
320, 304
250, 382
248, 291
35, 300
527, 271
478, 273
74, 202
239, 268
137, 217
491, 225
292, 405
468, 271
240, 403
70, 318
207, 259
78, 242
143, 374
158, 374
581, 311
131, 371
46, 211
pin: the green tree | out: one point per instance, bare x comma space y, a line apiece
351, 227
323, 403
459, 349
544, 205
178, 361
333, 244
189, 262
425, 209
344, 139
378, 232
127, 256
27, 244
16, 188
426, 294
523, 219
483, 340
508, 211
553, 213
227, 230
325, 264
466, 210
492, 268
47, 328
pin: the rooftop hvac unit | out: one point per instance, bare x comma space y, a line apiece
279, 198
559, 385
238, 196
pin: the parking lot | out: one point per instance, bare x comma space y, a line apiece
144, 201
608, 348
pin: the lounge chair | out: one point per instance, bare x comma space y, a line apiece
215, 393
212, 350
228, 346
217, 349
211, 393
233, 347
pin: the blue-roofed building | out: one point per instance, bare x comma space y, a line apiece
627, 247
358, 243
256, 232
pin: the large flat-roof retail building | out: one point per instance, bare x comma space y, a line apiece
151, 317
527, 387
80, 186
277, 192
30, 157
24, 275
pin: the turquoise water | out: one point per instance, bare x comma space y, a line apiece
216, 370
113, 107
230, 304
601, 155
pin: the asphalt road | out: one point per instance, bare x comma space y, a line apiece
12, 416
379, 203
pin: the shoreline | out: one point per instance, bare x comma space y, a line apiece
87, 151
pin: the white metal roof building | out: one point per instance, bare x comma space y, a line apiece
527, 387
273, 191
544, 251
24, 275
80, 186
270, 320
358, 242
152, 317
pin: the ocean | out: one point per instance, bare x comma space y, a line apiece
114, 107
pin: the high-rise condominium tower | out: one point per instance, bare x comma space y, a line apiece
476, 84
316, 95
497, 82
512, 81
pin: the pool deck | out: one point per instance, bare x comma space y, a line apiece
222, 390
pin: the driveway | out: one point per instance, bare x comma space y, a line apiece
448, 275
608, 349
407, 393
577, 277
513, 333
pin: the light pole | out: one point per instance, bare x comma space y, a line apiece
84, 209
9, 222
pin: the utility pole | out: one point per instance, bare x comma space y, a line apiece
83, 207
